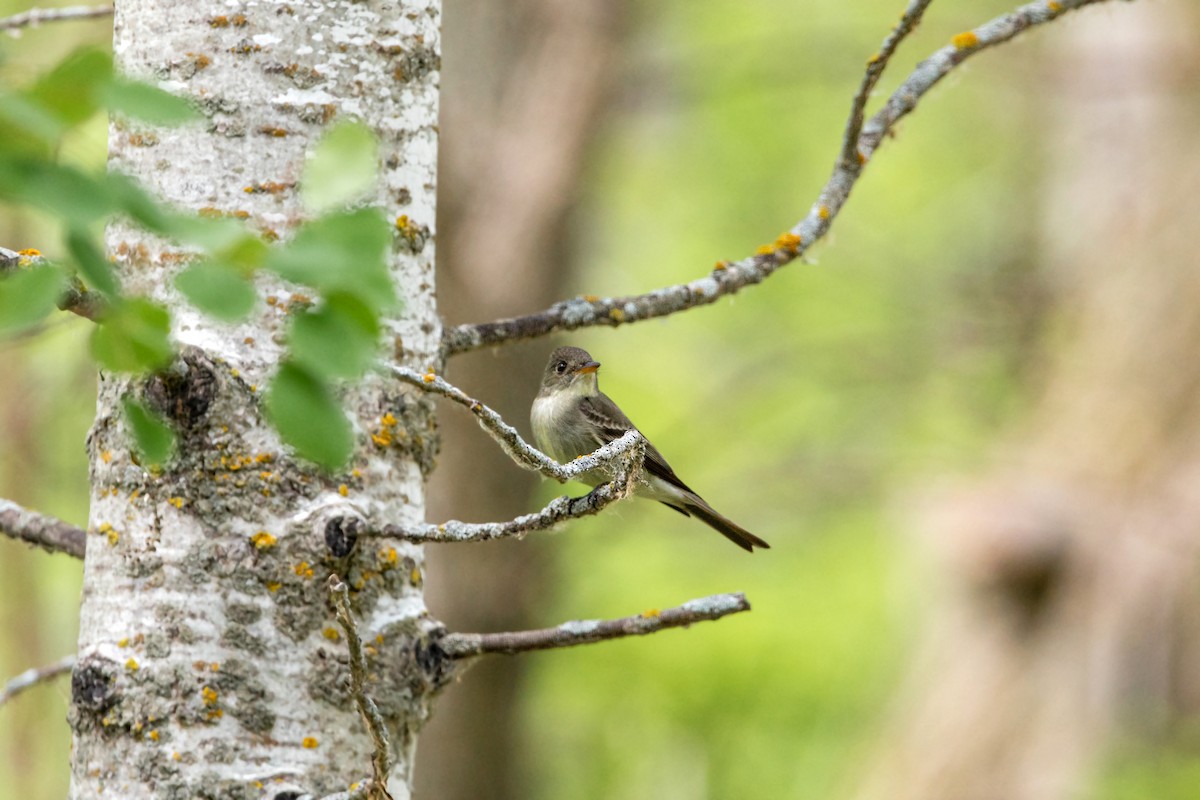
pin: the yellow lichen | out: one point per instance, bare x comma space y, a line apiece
209, 695
616, 315
176, 501
273, 586
823, 212
429, 377
965, 40
263, 540
309, 742
343, 490
651, 613
331, 634
106, 456
303, 570
132, 665
153, 736
123, 642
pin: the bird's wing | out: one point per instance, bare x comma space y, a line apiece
610, 423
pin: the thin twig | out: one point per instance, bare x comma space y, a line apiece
381, 761
569, 634
51, 534
526, 455
37, 16
876, 64
728, 278
32, 677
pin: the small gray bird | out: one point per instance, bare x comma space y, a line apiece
571, 417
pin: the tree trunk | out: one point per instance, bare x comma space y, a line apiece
210, 664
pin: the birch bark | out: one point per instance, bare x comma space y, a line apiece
210, 664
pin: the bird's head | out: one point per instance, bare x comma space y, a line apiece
572, 369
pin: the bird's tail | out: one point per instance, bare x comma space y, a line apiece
722, 525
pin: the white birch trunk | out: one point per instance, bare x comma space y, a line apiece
209, 659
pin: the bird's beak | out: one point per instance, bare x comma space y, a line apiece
590, 366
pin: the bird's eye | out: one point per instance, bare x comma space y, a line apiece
560, 367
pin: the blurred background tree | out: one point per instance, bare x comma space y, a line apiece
995, 350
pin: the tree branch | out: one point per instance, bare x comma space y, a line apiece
569, 634
729, 278
32, 677
381, 761
876, 64
560, 509
51, 534
36, 16
76, 298
525, 454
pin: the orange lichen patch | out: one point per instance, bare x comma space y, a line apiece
331, 634
123, 642
862, 157
382, 439
651, 613
965, 40
176, 757
429, 377
268, 187
200, 60
113, 536
309, 743
1055, 7
239, 20
241, 214
388, 420
765, 250
132, 665
106, 456
264, 458
823, 212
209, 695
272, 299
720, 265
245, 47
303, 570
153, 736
142, 139
414, 577
273, 586
271, 130
29, 252
344, 490
176, 501
389, 557
263, 541
789, 241
591, 298
221, 21
300, 299
874, 59
616, 315
210, 212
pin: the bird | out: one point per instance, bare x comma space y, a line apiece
571, 417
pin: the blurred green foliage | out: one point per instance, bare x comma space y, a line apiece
808, 409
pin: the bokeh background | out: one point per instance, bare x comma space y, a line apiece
967, 425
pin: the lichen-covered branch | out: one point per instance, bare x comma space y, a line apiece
32, 677
625, 477
37, 16
569, 634
525, 454
727, 278
75, 298
381, 760
876, 64
51, 534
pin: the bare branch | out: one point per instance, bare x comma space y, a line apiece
876, 64
76, 298
381, 761
729, 278
32, 677
569, 634
525, 454
36, 16
560, 509
51, 534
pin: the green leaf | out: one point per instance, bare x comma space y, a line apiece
341, 252
71, 90
63, 191
337, 340
28, 295
153, 437
147, 103
211, 234
308, 417
342, 167
92, 263
28, 126
133, 336
127, 195
217, 289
